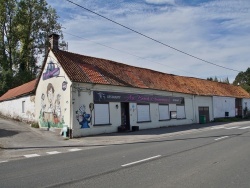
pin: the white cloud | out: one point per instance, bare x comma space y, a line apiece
161, 2
216, 31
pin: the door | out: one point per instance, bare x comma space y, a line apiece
125, 115
204, 111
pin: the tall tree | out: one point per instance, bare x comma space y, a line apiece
243, 79
25, 26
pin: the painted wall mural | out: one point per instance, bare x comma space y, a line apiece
52, 70
83, 118
51, 113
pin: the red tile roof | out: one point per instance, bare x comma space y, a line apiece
87, 69
19, 91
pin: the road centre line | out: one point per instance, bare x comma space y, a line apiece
221, 138
3, 161
53, 152
222, 127
31, 155
150, 158
75, 149
232, 127
245, 127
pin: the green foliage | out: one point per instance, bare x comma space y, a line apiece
35, 125
243, 79
24, 27
215, 79
228, 119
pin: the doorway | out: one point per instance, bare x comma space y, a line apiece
204, 111
125, 121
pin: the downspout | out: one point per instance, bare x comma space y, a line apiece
213, 107
71, 115
194, 115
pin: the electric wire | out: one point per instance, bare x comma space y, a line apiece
126, 52
155, 40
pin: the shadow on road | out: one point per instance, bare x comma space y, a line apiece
7, 133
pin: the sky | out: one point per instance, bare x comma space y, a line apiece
217, 31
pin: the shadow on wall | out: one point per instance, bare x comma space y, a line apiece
6, 133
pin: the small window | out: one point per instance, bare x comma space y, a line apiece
23, 107
101, 114
163, 112
143, 112
173, 114
181, 112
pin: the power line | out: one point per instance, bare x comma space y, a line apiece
152, 38
122, 51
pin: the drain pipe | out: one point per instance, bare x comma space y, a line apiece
194, 114
71, 111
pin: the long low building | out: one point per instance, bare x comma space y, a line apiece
89, 96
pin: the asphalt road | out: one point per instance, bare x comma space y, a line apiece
211, 157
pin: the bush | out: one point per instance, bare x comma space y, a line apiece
228, 119
35, 125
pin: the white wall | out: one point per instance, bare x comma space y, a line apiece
53, 102
82, 95
13, 108
222, 105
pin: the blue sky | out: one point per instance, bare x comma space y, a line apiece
217, 31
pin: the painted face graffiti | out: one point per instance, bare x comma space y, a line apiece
50, 95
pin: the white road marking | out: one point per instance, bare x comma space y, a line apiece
75, 149
221, 138
31, 155
141, 160
218, 127
232, 127
244, 127
53, 152
3, 161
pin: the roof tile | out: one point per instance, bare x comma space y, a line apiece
19, 91
82, 68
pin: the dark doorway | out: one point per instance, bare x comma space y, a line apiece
204, 111
125, 115
238, 107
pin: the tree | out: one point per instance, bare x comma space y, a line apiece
243, 79
24, 27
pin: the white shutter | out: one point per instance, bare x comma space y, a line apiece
101, 114
180, 112
163, 112
143, 112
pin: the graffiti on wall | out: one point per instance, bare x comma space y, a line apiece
83, 118
52, 70
51, 113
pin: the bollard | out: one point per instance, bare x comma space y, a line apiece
48, 127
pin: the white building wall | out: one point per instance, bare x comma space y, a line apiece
203, 101
14, 108
222, 105
53, 96
82, 95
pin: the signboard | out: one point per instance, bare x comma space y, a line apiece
101, 96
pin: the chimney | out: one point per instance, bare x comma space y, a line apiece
53, 39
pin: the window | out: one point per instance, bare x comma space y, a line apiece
180, 112
143, 112
101, 114
23, 107
163, 112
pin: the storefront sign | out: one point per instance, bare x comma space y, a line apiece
101, 96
